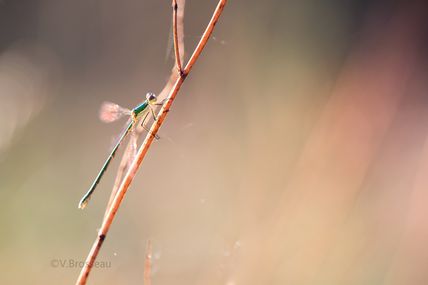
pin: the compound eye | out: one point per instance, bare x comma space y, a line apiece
151, 96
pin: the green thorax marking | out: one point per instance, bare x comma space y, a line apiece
140, 108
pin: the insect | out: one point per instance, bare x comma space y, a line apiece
111, 112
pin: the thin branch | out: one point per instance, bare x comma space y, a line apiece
180, 28
175, 35
205, 36
125, 162
180, 34
127, 180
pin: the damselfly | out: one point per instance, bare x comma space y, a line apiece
111, 112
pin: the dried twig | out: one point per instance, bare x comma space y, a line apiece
178, 30
205, 36
180, 35
145, 146
175, 35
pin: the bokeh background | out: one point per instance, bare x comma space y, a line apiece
295, 153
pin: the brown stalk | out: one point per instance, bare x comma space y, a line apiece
175, 35
178, 34
127, 180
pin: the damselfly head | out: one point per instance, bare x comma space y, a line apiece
151, 97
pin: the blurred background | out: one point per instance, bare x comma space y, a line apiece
295, 153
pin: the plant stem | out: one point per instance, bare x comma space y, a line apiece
127, 180
175, 35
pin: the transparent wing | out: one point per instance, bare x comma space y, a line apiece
132, 149
110, 112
